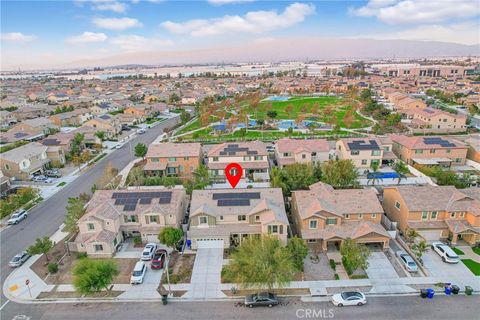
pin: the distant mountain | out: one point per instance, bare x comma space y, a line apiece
292, 49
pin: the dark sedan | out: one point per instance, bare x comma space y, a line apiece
261, 299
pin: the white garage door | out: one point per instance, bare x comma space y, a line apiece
152, 237
209, 243
430, 235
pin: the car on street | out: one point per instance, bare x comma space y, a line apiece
53, 173
407, 261
19, 259
445, 252
119, 146
159, 258
141, 131
148, 251
138, 273
39, 178
261, 299
349, 298
17, 217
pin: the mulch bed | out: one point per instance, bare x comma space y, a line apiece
73, 294
280, 292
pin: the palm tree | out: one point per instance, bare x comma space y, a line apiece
411, 235
419, 249
374, 177
402, 170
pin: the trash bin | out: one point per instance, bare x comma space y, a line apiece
448, 290
430, 293
455, 289
164, 299
423, 293
468, 290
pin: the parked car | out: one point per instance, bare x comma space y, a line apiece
19, 259
53, 173
39, 178
119, 146
445, 252
48, 180
17, 217
158, 259
407, 261
138, 273
261, 299
349, 298
148, 251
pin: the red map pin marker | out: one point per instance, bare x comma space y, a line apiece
233, 172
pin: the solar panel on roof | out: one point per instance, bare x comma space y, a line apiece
129, 207
145, 200
244, 195
164, 200
233, 202
363, 145
20, 135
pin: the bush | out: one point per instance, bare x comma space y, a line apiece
81, 255
358, 276
137, 240
337, 277
347, 266
332, 264
56, 164
52, 267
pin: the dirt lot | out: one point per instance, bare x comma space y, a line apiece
180, 267
281, 292
54, 294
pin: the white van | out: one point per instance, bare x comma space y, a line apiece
138, 273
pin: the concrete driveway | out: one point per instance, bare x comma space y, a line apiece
379, 267
437, 268
205, 281
146, 290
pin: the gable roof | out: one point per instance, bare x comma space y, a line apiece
298, 145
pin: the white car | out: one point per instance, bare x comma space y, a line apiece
148, 251
141, 131
138, 273
407, 261
445, 252
19, 259
17, 217
349, 298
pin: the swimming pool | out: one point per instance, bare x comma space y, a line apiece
278, 98
383, 175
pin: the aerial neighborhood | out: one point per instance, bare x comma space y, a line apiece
350, 175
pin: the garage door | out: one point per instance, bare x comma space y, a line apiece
209, 243
152, 237
430, 235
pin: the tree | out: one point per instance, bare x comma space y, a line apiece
419, 249
276, 178
141, 150
41, 246
184, 116
298, 176
170, 236
299, 250
93, 275
289, 109
100, 135
411, 235
261, 263
76, 145
106, 180
136, 177
374, 176
272, 114
75, 210
402, 170
354, 255
340, 173
348, 119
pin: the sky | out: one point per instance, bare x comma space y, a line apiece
42, 32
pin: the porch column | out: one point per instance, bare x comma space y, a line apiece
454, 238
324, 245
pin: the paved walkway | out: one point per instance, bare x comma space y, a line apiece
206, 274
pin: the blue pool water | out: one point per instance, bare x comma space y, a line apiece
383, 175
278, 98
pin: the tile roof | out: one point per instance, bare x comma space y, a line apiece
170, 149
298, 145
418, 142
243, 147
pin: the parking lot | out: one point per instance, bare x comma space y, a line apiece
437, 268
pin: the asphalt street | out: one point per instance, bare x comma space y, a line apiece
45, 219
410, 307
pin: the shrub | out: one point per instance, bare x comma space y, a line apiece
358, 276
332, 264
81, 255
137, 240
52, 267
337, 277
56, 164
347, 266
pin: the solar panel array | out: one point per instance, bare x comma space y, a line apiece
20, 134
235, 199
362, 145
129, 200
232, 149
438, 141
427, 110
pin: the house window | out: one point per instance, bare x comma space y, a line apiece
281, 229
386, 148
397, 205
304, 156
172, 159
418, 151
347, 216
458, 160
286, 154
180, 168
202, 220
247, 158
152, 219
364, 162
373, 215
462, 214
215, 159
312, 240
360, 216
376, 152
257, 218
171, 170
7, 167
155, 159
98, 247
258, 157
354, 152
313, 224
90, 226
424, 215
186, 158
273, 229
242, 217
452, 215
221, 218
331, 221
448, 150
314, 154
432, 150
131, 218
433, 215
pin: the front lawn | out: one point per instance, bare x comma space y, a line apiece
473, 266
476, 250
458, 251
61, 184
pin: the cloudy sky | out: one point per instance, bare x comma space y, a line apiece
39, 32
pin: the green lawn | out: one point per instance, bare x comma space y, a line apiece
61, 184
473, 266
476, 250
458, 251
304, 106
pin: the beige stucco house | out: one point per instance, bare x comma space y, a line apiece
312, 151
173, 159
364, 152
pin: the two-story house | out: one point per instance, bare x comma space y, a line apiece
72, 118
24, 161
106, 123
103, 108
429, 120
435, 212
429, 151
312, 151
365, 152
251, 156
173, 159
115, 215
325, 217
227, 216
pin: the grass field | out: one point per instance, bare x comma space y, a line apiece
473, 266
305, 106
